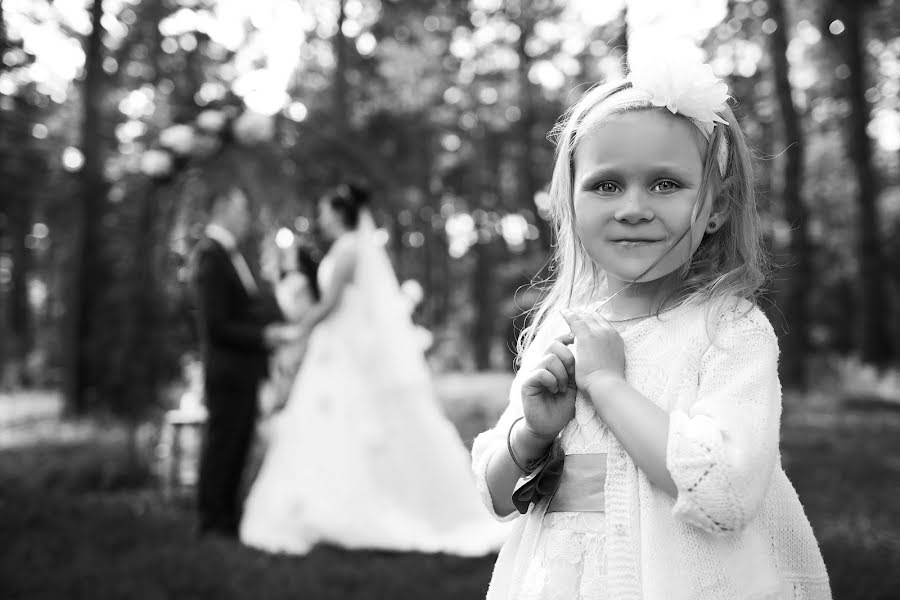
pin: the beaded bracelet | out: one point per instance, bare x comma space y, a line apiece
530, 465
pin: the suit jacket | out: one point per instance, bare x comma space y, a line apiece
230, 320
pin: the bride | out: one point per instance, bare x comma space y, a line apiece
362, 456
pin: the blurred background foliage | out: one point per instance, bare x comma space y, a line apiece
115, 115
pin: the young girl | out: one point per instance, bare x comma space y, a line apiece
644, 419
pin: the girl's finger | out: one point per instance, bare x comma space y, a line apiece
576, 323
556, 366
566, 338
599, 324
562, 351
548, 381
542, 379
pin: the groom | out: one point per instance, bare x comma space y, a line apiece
238, 326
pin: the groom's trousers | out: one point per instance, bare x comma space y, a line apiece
232, 406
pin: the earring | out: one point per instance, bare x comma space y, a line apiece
712, 225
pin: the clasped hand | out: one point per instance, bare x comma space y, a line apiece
279, 334
580, 360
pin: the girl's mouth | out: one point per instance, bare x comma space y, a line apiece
635, 243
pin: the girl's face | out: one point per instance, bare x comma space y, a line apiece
636, 182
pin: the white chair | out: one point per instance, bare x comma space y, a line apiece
180, 439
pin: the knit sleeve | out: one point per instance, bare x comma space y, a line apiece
723, 450
494, 440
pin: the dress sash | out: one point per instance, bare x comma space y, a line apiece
582, 485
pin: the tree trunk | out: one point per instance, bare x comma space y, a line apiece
874, 342
14, 213
527, 181
83, 281
433, 247
144, 347
146, 297
484, 274
483, 298
21, 170
18, 309
4, 192
441, 284
797, 271
339, 86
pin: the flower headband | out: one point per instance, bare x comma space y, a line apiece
685, 85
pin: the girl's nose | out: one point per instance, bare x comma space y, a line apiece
633, 208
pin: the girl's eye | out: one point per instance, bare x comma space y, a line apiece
666, 185
607, 187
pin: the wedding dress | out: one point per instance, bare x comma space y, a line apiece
362, 455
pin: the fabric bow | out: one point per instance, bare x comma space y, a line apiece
542, 482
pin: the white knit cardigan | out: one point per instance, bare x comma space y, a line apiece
736, 530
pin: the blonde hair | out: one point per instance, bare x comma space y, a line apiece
729, 263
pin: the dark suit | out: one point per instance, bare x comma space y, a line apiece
235, 359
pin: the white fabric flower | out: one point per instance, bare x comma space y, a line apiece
677, 79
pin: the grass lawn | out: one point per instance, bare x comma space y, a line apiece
75, 524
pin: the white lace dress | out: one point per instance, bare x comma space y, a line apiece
570, 561
736, 528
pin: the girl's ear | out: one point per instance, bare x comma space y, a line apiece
720, 212
716, 221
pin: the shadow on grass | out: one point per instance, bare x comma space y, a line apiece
845, 466
77, 520
132, 544
74, 523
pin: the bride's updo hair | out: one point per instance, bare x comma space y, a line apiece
348, 199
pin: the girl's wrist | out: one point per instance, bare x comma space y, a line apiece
528, 443
601, 386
